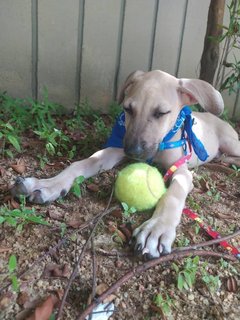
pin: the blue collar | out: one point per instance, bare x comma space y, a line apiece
185, 122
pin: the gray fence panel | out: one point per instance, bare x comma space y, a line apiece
167, 48
193, 38
15, 47
100, 48
137, 37
57, 49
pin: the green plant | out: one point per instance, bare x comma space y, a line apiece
193, 204
165, 302
229, 80
19, 217
8, 135
182, 241
12, 266
101, 129
127, 212
213, 282
227, 266
56, 141
15, 111
42, 112
235, 168
76, 189
186, 276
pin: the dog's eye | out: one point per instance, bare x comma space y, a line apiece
158, 114
128, 109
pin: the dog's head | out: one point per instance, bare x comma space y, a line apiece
152, 101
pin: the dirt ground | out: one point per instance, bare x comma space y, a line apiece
41, 273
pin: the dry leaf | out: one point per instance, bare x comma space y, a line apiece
5, 249
2, 171
54, 270
22, 298
44, 311
117, 213
14, 204
93, 187
232, 285
102, 287
126, 231
19, 167
74, 223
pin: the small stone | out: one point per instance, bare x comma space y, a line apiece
190, 297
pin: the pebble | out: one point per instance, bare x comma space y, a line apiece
190, 297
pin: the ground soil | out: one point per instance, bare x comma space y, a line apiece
215, 198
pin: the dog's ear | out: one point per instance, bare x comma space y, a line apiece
128, 82
194, 91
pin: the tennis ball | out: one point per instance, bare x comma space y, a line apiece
139, 185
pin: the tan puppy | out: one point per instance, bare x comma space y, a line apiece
152, 102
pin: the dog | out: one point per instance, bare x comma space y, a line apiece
152, 102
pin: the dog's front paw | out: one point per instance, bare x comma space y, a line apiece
154, 238
37, 191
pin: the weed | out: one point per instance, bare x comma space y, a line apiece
193, 204
236, 169
187, 276
76, 189
8, 135
227, 266
213, 282
228, 73
182, 241
19, 217
63, 228
56, 141
165, 302
127, 212
42, 112
12, 266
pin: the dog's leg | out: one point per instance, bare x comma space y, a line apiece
47, 190
155, 236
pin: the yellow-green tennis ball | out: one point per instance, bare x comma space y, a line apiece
139, 185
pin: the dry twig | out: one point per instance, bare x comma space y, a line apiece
75, 270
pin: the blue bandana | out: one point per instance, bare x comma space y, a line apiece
184, 121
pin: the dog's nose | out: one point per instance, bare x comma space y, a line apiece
133, 151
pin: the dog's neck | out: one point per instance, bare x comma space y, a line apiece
184, 123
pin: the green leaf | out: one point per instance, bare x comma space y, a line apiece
2, 219
12, 263
175, 267
125, 206
79, 179
180, 282
13, 140
188, 278
36, 219
15, 283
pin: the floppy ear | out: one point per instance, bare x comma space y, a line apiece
198, 91
128, 82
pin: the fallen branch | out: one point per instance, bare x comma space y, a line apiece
145, 266
209, 243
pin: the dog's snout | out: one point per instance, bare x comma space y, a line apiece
133, 151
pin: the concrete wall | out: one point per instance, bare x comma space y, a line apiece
81, 49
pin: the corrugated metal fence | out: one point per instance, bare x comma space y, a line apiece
81, 49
